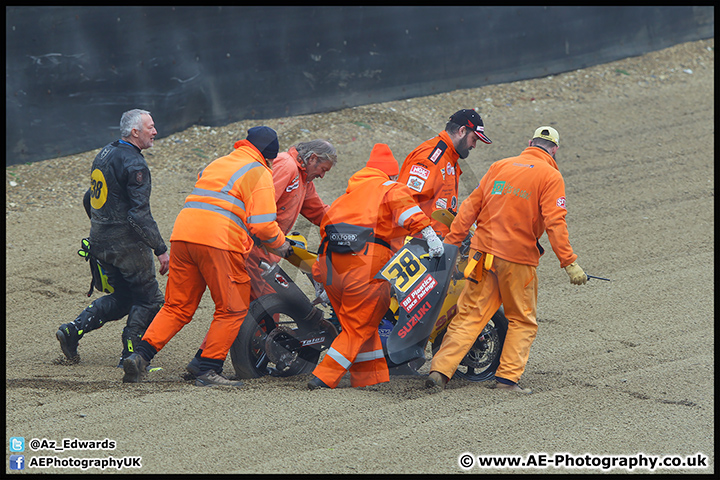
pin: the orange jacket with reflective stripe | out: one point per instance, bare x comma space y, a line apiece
373, 200
517, 200
293, 194
431, 171
233, 199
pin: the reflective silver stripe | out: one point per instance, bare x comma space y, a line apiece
224, 195
220, 210
271, 240
389, 182
407, 214
201, 192
240, 173
236, 175
367, 356
338, 357
267, 217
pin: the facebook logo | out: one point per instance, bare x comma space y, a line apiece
17, 462
17, 444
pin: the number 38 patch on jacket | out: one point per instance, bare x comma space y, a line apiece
561, 202
98, 189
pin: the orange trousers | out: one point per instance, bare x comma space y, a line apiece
359, 303
509, 284
194, 267
259, 286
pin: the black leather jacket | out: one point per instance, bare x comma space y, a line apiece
119, 197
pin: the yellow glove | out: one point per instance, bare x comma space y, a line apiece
577, 276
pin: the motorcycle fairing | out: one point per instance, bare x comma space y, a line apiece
420, 284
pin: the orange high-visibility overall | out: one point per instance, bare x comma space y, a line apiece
233, 199
294, 196
517, 200
371, 200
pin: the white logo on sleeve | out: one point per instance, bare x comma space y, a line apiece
293, 185
561, 202
420, 171
416, 183
450, 169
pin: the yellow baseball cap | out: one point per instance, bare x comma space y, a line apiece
548, 133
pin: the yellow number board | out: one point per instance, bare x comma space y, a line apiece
406, 269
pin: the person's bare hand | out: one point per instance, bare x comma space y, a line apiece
164, 260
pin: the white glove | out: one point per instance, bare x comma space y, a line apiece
320, 293
284, 250
436, 248
576, 274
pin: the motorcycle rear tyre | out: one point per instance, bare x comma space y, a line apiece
483, 359
247, 352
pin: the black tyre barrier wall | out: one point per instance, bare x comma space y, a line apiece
72, 71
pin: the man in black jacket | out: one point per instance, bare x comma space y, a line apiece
123, 238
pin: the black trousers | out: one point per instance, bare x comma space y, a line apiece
130, 269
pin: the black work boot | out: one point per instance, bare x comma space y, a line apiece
316, 383
436, 379
69, 337
69, 334
135, 367
128, 346
211, 378
193, 368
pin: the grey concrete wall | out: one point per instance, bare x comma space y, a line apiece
72, 71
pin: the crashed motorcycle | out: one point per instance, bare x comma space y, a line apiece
285, 333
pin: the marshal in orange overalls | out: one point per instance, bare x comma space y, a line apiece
371, 200
233, 199
517, 200
294, 196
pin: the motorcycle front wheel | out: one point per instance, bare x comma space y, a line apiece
258, 348
483, 358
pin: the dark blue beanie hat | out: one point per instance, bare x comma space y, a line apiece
265, 139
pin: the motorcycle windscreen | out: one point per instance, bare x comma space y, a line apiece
420, 284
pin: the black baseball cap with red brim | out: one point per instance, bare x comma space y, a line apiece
469, 118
